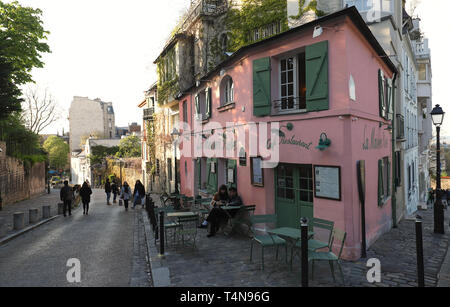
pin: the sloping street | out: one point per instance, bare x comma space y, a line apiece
103, 241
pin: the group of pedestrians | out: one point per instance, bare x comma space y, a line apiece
125, 193
67, 196
137, 195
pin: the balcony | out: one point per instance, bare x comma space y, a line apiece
204, 8
400, 128
422, 50
148, 113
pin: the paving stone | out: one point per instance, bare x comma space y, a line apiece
224, 261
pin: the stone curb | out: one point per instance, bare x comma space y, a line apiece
25, 230
160, 272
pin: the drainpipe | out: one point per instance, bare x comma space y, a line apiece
394, 161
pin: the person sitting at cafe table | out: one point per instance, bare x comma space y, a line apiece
218, 216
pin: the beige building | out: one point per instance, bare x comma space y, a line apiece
90, 118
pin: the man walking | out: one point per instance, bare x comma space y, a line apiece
115, 191
108, 191
66, 195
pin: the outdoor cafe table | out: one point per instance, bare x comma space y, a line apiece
292, 234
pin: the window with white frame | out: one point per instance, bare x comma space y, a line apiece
292, 83
226, 90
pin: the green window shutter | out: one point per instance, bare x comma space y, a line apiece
317, 89
232, 164
208, 102
262, 99
380, 183
197, 106
381, 94
389, 188
212, 177
390, 99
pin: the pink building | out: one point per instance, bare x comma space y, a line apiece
331, 89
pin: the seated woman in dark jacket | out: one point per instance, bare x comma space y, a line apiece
218, 216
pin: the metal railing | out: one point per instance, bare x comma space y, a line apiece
289, 103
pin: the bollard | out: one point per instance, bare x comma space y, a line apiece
18, 220
33, 215
45, 212
304, 243
60, 208
161, 234
419, 245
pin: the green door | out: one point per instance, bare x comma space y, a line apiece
293, 194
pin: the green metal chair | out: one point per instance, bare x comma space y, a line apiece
169, 224
187, 229
265, 240
313, 256
314, 244
243, 217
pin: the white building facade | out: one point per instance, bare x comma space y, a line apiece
90, 117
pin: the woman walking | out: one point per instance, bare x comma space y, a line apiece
125, 193
138, 193
85, 194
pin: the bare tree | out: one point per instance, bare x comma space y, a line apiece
40, 109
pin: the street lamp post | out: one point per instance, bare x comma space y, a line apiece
175, 134
437, 115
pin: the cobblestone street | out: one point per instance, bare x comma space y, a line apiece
224, 261
6, 215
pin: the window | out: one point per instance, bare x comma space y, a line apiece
285, 182
385, 89
306, 184
203, 104
293, 83
422, 71
256, 34
265, 31
386, 6
224, 42
257, 172
227, 91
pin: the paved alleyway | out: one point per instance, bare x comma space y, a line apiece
6, 215
102, 241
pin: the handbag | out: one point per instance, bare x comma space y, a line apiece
120, 202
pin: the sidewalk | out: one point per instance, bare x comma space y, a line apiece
6, 215
224, 261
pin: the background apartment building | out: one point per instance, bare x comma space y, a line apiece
90, 117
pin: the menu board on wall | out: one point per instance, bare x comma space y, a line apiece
327, 182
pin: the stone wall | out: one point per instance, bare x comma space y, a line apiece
18, 183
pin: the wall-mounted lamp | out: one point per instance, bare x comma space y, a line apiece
324, 142
318, 30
